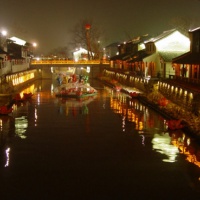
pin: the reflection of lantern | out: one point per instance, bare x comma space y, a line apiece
163, 102
191, 150
198, 155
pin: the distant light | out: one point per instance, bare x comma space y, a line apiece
35, 44
4, 33
88, 69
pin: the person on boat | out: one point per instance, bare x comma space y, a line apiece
74, 78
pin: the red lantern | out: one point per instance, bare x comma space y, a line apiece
87, 26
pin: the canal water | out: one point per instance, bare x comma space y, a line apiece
107, 147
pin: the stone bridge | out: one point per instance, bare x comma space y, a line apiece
49, 68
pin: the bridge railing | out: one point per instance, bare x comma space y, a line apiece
59, 62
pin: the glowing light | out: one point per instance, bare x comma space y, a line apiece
4, 33
18, 40
21, 124
162, 144
191, 96
35, 44
36, 116
7, 157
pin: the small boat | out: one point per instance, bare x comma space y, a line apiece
134, 94
5, 110
75, 90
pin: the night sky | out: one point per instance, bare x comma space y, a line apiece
49, 22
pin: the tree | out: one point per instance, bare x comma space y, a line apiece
60, 52
88, 35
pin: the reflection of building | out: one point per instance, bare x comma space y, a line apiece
74, 106
162, 144
136, 113
190, 150
21, 124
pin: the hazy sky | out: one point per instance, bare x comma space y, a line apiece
49, 22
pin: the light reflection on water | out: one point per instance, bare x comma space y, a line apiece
21, 124
74, 106
146, 122
132, 113
162, 144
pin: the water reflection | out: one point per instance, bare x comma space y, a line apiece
135, 118
6, 124
162, 144
7, 151
6, 128
74, 106
139, 115
148, 124
21, 124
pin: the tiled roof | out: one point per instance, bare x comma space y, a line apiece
159, 37
188, 58
139, 56
120, 57
167, 56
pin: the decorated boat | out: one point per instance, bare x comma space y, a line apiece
75, 90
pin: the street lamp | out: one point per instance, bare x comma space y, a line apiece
4, 33
99, 56
35, 44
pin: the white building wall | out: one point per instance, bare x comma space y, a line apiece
169, 69
175, 42
5, 68
20, 67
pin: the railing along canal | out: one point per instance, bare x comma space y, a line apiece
70, 62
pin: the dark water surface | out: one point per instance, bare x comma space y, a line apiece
103, 148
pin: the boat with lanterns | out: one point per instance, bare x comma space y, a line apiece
75, 90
